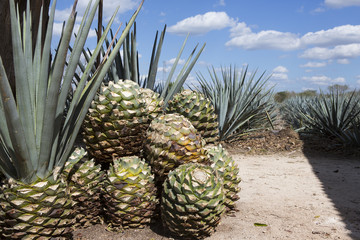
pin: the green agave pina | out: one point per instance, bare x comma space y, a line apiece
192, 201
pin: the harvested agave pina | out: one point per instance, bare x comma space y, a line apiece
228, 170
129, 193
192, 201
116, 122
84, 179
171, 141
153, 103
199, 110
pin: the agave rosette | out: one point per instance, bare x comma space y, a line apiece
35, 143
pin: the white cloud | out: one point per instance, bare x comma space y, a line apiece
344, 34
268, 39
342, 3
324, 80
240, 29
57, 28
201, 24
338, 52
343, 61
172, 61
280, 73
243, 37
165, 69
314, 64
62, 15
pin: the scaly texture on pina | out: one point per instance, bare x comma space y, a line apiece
192, 201
153, 103
199, 110
85, 180
116, 122
31, 211
228, 170
129, 193
171, 141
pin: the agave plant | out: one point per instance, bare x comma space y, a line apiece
294, 111
351, 137
241, 102
35, 142
126, 66
333, 114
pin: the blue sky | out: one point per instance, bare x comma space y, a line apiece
304, 44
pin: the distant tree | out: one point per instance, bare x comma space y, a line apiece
338, 88
282, 96
307, 93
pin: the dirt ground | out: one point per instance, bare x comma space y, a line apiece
298, 189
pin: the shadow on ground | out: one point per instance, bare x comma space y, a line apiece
338, 170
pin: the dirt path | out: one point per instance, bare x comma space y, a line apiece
297, 197
286, 193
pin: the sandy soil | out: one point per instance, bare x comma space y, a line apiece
296, 196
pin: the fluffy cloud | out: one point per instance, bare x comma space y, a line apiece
344, 34
338, 52
314, 64
269, 39
242, 36
342, 3
324, 80
202, 23
280, 73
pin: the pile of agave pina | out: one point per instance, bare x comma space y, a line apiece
152, 160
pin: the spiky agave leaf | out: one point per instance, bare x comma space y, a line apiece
126, 66
34, 144
33, 139
192, 201
333, 114
351, 137
295, 109
240, 100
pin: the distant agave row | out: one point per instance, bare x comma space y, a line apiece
152, 155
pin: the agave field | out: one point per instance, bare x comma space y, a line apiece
149, 151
